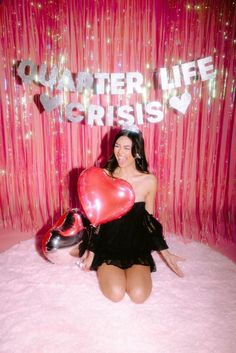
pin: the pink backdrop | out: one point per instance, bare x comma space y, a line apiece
192, 155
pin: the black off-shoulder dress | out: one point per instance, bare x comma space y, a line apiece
125, 241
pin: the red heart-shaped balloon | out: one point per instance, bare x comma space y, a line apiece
65, 234
104, 198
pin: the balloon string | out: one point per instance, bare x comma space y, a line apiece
93, 230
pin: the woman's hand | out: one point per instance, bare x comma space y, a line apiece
171, 260
86, 260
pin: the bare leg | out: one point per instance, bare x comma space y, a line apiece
139, 283
112, 281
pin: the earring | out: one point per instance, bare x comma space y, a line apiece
138, 156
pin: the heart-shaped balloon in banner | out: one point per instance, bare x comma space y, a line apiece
103, 197
49, 103
181, 103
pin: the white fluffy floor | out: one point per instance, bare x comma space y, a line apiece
48, 308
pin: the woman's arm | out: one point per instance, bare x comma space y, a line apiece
170, 259
151, 183
86, 260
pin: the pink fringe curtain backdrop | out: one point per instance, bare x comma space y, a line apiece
192, 155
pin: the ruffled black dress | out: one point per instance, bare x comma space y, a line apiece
125, 241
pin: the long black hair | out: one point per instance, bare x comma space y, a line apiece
137, 151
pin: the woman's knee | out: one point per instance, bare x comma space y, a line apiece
139, 295
112, 282
115, 293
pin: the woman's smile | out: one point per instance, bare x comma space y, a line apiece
123, 151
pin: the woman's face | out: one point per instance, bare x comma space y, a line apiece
123, 152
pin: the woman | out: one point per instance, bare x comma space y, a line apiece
120, 250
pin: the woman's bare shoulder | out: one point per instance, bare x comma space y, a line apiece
150, 178
149, 182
